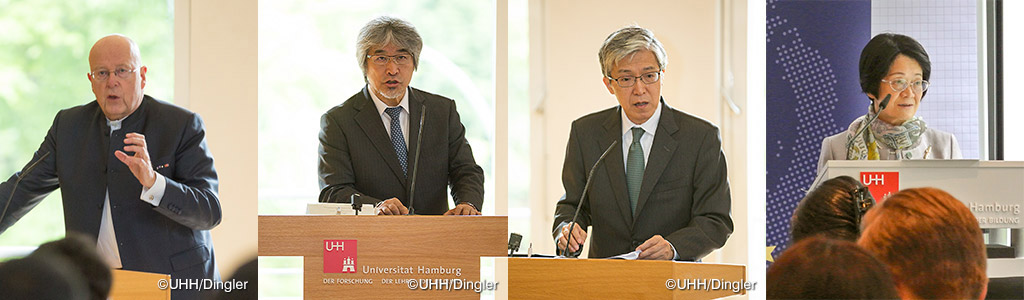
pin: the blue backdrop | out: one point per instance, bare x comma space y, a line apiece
813, 91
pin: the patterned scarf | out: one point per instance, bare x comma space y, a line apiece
901, 138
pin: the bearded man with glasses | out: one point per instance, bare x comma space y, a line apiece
368, 143
662, 189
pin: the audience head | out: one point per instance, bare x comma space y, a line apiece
40, 277
81, 252
823, 268
833, 209
931, 243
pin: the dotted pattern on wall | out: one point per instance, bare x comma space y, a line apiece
948, 30
803, 83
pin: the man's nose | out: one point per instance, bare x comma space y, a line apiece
391, 67
639, 88
112, 81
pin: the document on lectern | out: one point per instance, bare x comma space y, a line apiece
628, 256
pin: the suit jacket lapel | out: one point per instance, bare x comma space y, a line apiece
661, 152
370, 122
613, 164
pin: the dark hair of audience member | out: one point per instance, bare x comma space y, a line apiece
831, 209
81, 252
823, 268
249, 273
40, 277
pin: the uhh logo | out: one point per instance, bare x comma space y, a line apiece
339, 256
881, 184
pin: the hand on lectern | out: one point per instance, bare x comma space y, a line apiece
578, 237
656, 247
463, 209
391, 207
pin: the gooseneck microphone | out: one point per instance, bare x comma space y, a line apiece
586, 187
416, 160
881, 106
16, 182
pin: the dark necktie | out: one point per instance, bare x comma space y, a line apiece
396, 135
635, 168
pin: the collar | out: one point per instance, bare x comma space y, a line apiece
404, 104
131, 120
649, 127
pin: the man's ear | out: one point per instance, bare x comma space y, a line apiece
608, 84
142, 74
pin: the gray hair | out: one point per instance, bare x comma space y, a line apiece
627, 41
385, 30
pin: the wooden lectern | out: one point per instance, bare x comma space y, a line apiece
138, 285
388, 252
552, 278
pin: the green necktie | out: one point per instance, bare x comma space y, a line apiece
635, 168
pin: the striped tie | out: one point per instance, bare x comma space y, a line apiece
396, 135
635, 168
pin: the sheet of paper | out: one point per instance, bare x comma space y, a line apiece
630, 256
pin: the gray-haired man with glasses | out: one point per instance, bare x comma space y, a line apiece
368, 143
135, 173
663, 189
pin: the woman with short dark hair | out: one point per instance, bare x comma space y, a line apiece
896, 68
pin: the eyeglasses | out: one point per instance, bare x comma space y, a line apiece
862, 202
628, 81
401, 59
104, 74
901, 84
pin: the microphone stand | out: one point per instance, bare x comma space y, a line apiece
881, 107
16, 182
416, 160
586, 187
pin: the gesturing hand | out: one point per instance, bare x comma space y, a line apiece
139, 163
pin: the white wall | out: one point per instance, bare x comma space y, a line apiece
565, 84
215, 67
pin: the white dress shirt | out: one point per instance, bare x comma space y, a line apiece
646, 141
106, 241
403, 118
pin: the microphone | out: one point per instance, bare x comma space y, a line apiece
586, 187
416, 160
16, 182
514, 240
357, 202
881, 106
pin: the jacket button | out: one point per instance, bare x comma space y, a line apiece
636, 244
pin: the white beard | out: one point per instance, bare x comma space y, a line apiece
395, 94
388, 94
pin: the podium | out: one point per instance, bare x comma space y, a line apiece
138, 285
377, 256
554, 278
992, 190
